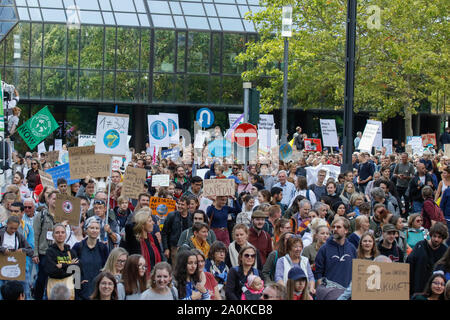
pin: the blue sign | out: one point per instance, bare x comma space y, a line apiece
285, 151
219, 148
173, 154
158, 130
172, 127
111, 139
62, 171
205, 117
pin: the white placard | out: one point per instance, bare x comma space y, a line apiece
173, 127
200, 138
50, 148
201, 173
112, 133
329, 133
387, 143
160, 180
58, 144
205, 203
368, 137
85, 140
417, 144
332, 171
116, 163
266, 121
158, 131
378, 142
41, 148
266, 139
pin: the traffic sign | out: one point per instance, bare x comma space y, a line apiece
245, 135
205, 117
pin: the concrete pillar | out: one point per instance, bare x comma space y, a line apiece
139, 132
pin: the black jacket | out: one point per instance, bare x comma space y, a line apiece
173, 227
422, 260
415, 193
299, 143
55, 256
235, 281
132, 245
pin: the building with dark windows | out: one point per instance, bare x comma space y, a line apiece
81, 57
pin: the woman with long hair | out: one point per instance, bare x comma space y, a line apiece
116, 262
443, 184
264, 196
134, 278
294, 208
281, 226
240, 240
434, 289
367, 248
206, 277
215, 263
297, 285
347, 192
33, 178
268, 271
237, 277
161, 287
188, 277
415, 232
105, 287
320, 234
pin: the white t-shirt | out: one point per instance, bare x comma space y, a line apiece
9, 241
422, 179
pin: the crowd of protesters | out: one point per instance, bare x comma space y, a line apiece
276, 238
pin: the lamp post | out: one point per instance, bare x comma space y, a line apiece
286, 32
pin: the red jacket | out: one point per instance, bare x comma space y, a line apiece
262, 242
430, 211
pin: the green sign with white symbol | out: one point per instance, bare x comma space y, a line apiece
39, 127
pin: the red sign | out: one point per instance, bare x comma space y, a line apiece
313, 145
429, 138
245, 135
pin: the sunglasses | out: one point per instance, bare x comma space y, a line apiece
247, 255
28, 207
99, 202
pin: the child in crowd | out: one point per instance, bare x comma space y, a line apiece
253, 288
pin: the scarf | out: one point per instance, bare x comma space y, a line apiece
151, 256
203, 247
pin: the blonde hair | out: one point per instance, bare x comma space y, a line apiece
358, 221
110, 264
315, 224
141, 219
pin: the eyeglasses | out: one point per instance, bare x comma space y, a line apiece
247, 255
439, 284
28, 207
33, 163
121, 261
99, 202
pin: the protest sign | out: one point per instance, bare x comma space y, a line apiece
329, 133
50, 148
200, 138
429, 138
12, 266
85, 140
201, 173
172, 154
387, 143
67, 208
58, 144
173, 127
41, 148
205, 203
46, 179
332, 171
62, 171
313, 145
37, 128
218, 187
160, 180
416, 143
409, 149
447, 150
158, 130
51, 157
112, 133
63, 156
378, 142
2, 115
379, 280
266, 121
162, 207
133, 182
84, 162
368, 137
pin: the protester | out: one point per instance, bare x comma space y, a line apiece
215, 264
259, 238
367, 248
116, 262
161, 287
297, 285
433, 290
134, 278
187, 277
105, 287
274, 291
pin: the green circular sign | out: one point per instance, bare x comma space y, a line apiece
41, 125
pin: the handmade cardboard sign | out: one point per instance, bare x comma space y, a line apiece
84, 162
447, 150
218, 187
52, 156
46, 179
68, 208
160, 180
162, 207
133, 182
379, 280
12, 266
428, 138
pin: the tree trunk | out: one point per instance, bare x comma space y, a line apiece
408, 123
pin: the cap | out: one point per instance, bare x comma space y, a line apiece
296, 273
259, 214
389, 227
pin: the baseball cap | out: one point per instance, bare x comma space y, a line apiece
389, 227
296, 273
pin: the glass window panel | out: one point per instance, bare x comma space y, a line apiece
214, 96
195, 9
69, 4
109, 18
216, 44
33, 3
140, 7
249, 26
179, 22
254, 2
198, 52
7, 13
215, 25
72, 47
120, 5
145, 49
51, 3
54, 84
127, 51
9, 43
127, 86
224, 1
231, 24
180, 91
83, 117
36, 44
233, 44
143, 18
181, 50
241, 1
90, 83
2, 54
53, 15
244, 10
21, 2
55, 54
197, 23
105, 5
255, 9
159, 7
87, 5
210, 10
35, 84
162, 21
22, 33
126, 19
108, 91
35, 14
164, 50
227, 11
22, 75
23, 14
144, 88
176, 8
72, 84
232, 90
91, 17
91, 53
110, 48
197, 88
163, 87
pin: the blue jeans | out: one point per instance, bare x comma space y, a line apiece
417, 207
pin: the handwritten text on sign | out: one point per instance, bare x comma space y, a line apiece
68, 208
162, 207
12, 266
84, 162
218, 187
379, 280
133, 182
46, 179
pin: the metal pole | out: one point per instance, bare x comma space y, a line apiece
283, 138
349, 85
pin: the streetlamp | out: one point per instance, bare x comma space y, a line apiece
286, 32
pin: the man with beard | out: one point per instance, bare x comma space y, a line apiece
334, 258
258, 237
424, 255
